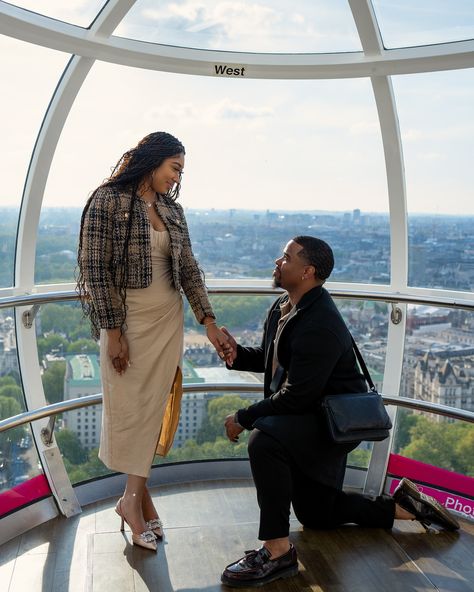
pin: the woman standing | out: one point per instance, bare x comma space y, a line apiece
134, 258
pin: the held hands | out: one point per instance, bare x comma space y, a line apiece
232, 428
117, 349
232, 344
220, 339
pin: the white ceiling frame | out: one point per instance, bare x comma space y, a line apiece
41, 30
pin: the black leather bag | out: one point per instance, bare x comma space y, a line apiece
353, 417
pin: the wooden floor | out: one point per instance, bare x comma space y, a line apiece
208, 525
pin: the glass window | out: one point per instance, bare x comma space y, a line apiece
405, 23
28, 72
266, 160
70, 369
80, 13
437, 368
439, 356
436, 122
21, 476
267, 26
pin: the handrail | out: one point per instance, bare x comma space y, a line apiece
88, 400
260, 288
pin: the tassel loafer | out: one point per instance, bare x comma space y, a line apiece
425, 508
257, 568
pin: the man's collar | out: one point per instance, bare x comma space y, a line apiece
309, 297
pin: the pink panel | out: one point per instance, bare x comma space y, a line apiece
22, 494
400, 466
451, 501
428, 478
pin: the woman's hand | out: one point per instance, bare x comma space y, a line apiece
220, 341
117, 350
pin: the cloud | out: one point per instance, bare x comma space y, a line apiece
212, 113
412, 135
229, 109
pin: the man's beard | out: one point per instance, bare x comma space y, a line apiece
276, 282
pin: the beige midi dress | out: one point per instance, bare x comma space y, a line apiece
141, 406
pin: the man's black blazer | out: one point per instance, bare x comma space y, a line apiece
315, 352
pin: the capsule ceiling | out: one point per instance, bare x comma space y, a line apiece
301, 106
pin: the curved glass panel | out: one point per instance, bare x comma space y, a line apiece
436, 121
438, 368
70, 369
29, 71
304, 26
266, 160
69, 363
80, 13
424, 22
21, 476
439, 356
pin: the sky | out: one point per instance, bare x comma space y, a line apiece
256, 144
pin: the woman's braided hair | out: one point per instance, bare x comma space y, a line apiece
128, 174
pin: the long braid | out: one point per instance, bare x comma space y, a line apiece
127, 175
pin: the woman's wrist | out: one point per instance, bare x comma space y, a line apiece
114, 333
209, 321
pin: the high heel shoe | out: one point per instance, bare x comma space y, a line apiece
156, 526
146, 539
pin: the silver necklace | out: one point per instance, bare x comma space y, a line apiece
150, 204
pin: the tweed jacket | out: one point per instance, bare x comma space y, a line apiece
103, 239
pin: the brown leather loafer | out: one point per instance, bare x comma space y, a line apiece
257, 568
425, 508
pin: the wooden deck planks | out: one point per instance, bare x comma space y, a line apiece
210, 524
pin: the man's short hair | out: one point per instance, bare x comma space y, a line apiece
318, 253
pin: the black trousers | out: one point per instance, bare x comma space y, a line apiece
280, 483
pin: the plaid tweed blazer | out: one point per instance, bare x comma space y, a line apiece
103, 238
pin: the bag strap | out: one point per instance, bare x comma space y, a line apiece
363, 367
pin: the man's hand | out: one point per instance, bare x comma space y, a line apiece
233, 345
232, 428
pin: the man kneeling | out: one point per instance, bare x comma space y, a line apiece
306, 353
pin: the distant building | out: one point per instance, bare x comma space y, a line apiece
440, 381
8, 349
83, 378
194, 405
